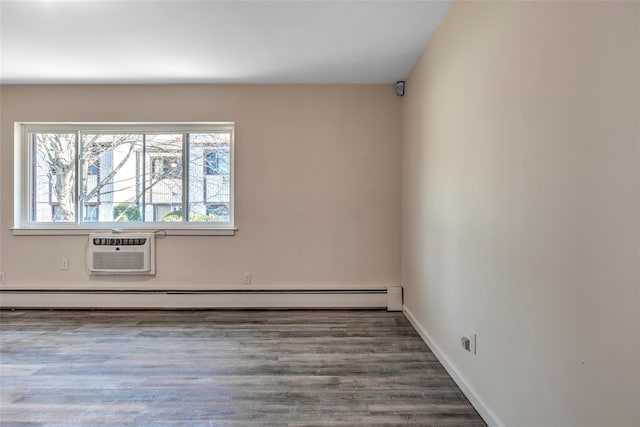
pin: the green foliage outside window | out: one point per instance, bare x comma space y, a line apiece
126, 212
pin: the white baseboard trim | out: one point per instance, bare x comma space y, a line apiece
317, 299
485, 412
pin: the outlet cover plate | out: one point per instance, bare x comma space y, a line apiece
472, 343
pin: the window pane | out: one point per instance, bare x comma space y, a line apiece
54, 175
163, 177
209, 177
111, 177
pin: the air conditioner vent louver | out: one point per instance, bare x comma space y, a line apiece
102, 241
133, 253
118, 261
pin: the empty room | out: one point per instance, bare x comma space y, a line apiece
289, 213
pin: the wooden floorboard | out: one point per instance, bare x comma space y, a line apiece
222, 368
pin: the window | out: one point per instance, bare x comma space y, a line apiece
123, 174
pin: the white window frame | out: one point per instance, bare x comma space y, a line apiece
23, 225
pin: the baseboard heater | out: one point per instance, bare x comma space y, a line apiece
389, 298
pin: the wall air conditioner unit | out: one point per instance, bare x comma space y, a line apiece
127, 253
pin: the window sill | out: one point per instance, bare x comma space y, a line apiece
75, 231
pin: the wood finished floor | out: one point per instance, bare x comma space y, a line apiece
218, 368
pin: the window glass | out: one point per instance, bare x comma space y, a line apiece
115, 186
163, 178
209, 184
107, 173
53, 170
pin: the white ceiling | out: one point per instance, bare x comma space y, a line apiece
209, 41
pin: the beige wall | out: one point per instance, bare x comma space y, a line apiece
521, 207
317, 185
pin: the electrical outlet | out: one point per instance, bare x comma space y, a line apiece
246, 278
64, 263
2, 277
469, 343
465, 343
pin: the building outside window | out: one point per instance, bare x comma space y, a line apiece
91, 213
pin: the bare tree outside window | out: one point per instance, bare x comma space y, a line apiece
54, 170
